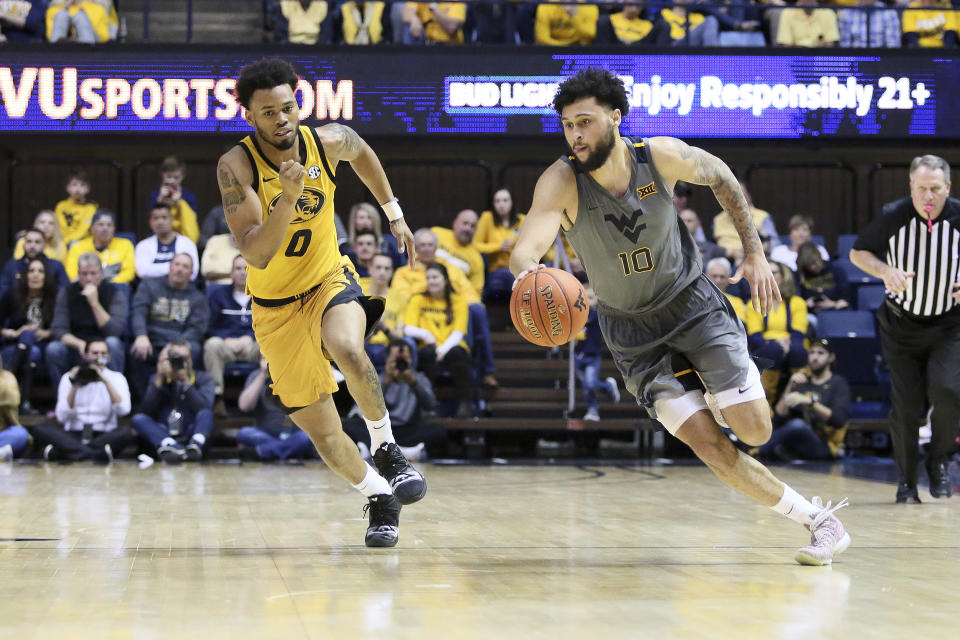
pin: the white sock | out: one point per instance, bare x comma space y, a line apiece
373, 484
167, 442
795, 506
199, 438
380, 431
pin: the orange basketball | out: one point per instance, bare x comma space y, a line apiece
549, 307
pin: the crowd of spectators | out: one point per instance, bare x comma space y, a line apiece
687, 23
173, 320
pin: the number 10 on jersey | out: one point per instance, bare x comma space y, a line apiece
637, 261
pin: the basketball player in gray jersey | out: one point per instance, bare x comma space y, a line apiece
613, 198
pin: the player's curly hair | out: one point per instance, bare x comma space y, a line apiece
596, 83
266, 73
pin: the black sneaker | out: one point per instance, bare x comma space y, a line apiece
171, 454
940, 485
384, 512
907, 493
407, 483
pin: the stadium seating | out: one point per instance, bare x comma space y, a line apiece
853, 338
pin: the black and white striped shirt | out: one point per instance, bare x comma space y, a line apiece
928, 248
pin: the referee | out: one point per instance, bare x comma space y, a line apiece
914, 247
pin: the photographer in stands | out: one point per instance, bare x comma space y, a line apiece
176, 415
90, 398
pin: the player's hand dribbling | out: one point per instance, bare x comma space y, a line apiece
524, 273
291, 179
764, 292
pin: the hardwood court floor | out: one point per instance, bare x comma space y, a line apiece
492, 552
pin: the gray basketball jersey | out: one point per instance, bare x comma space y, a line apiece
636, 250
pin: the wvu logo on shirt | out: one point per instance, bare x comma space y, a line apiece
627, 226
308, 205
647, 190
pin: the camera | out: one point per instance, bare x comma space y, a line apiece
401, 364
85, 374
177, 361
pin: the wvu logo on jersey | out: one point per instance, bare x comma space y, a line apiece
647, 190
627, 226
308, 206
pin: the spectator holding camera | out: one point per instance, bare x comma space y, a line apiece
407, 394
182, 202
274, 436
90, 398
815, 405
89, 309
176, 414
166, 309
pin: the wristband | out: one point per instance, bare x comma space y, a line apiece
392, 208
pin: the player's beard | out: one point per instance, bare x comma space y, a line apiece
818, 371
599, 156
283, 146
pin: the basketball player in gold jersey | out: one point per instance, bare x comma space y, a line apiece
277, 187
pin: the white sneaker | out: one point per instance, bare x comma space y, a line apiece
828, 537
614, 390
592, 415
6, 453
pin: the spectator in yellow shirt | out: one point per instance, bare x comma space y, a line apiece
807, 26
779, 336
75, 212
88, 21
411, 279
456, 248
116, 254
630, 26
302, 22
689, 28
54, 246
563, 24
437, 319
362, 22
434, 22
496, 233
930, 24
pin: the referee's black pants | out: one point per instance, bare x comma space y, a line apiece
924, 362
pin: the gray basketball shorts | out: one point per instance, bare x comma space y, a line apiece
655, 349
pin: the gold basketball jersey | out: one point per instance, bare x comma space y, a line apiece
309, 252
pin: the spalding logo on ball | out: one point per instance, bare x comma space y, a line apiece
549, 307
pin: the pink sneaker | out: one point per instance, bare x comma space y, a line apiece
827, 535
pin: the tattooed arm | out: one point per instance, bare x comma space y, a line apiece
676, 160
340, 142
258, 240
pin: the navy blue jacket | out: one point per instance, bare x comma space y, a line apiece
227, 318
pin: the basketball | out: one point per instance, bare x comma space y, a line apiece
549, 307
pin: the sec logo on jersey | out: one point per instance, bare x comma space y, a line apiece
308, 205
314, 172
